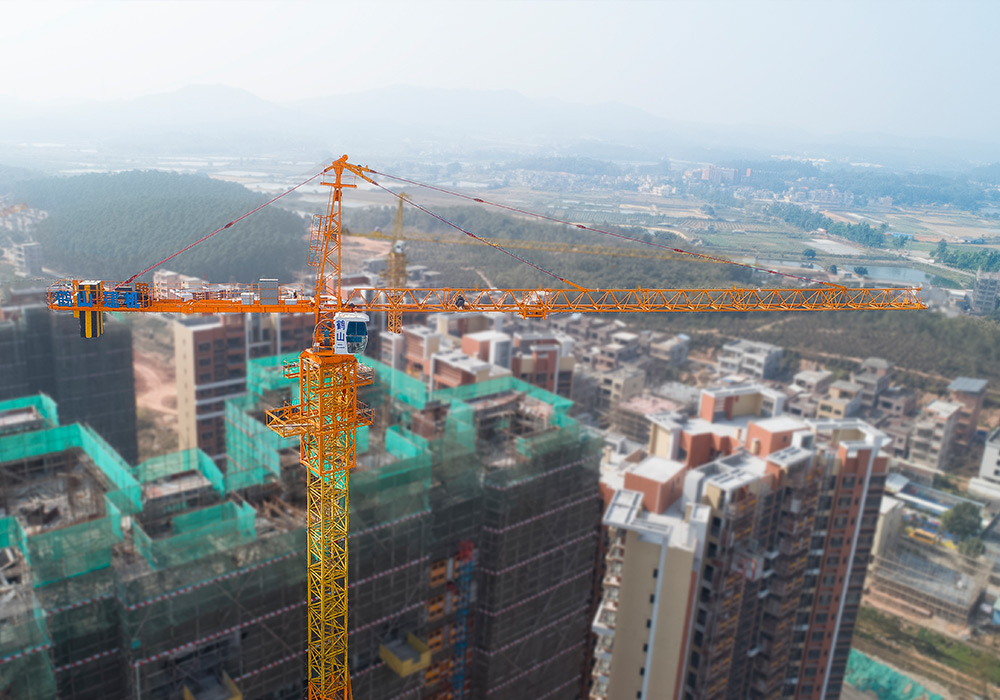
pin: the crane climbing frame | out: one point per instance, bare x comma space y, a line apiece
328, 414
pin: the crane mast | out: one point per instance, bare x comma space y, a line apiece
395, 271
328, 414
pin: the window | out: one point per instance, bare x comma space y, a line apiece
204, 347
204, 362
817, 636
649, 624
656, 573
645, 647
814, 654
652, 598
820, 619
810, 672
642, 671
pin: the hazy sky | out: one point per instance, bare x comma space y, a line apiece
897, 66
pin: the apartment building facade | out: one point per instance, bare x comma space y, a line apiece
969, 393
933, 434
210, 357
738, 576
751, 358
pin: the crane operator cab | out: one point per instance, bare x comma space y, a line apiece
350, 332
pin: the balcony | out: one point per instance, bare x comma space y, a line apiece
601, 668
604, 646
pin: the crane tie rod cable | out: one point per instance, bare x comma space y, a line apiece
223, 228
472, 235
517, 210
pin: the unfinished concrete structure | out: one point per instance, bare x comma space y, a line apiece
474, 528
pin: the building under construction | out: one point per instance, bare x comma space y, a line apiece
474, 520
91, 382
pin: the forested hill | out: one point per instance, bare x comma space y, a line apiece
110, 226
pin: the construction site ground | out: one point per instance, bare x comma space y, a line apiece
930, 651
155, 386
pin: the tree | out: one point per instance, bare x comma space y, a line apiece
860, 270
809, 253
832, 269
941, 251
972, 547
963, 521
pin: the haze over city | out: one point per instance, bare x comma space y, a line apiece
914, 69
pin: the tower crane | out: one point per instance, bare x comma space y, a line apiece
395, 269
327, 416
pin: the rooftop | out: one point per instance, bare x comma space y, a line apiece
944, 409
812, 375
845, 385
968, 385
646, 404
481, 336
876, 363
781, 424
657, 469
750, 346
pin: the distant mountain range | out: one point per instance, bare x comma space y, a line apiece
405, 121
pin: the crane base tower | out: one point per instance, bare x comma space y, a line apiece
326, 421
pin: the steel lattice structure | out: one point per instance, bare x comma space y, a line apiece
327, 417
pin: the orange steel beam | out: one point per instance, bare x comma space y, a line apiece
68, 295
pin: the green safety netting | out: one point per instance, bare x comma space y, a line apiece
25, 669
404, 388
12, 535
267, 374
192, 459
254, 450
76, 549
66, 552
470, 392
197, 534
45, 406
867, 675
126, 493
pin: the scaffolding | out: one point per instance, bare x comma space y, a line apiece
903, 576
181, 579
